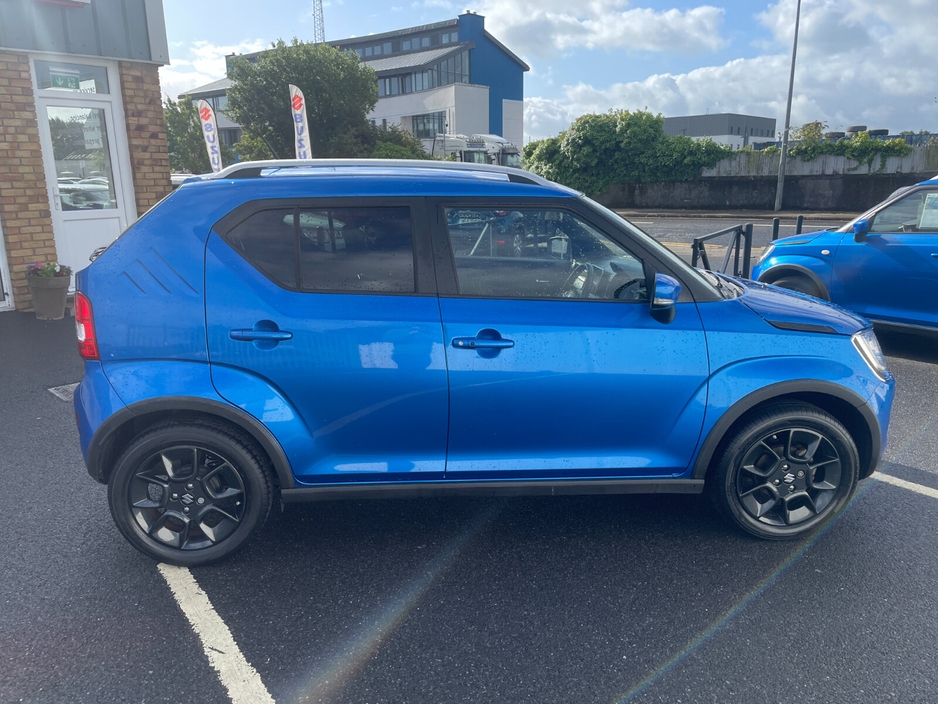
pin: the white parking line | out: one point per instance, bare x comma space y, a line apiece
241, 680
917, 488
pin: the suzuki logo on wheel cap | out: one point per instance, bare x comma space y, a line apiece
188, 499
788, 479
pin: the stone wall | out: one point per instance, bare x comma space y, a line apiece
841, 193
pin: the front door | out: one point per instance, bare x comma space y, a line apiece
86, 173
557, 368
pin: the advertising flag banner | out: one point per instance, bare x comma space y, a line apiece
210, 132
300, 124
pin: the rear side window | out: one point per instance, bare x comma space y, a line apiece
330, 249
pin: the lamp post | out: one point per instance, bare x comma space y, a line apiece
780, 188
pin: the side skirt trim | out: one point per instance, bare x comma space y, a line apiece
502, 488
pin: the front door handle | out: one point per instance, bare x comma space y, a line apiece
475, 343
254, 335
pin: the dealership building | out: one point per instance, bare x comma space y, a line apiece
83, 147
450, 76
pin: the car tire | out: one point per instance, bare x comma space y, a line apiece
190, 493
802, 284
785, 472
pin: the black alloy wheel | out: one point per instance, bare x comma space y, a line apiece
189, 493
786, 472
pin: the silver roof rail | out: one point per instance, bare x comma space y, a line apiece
252, 169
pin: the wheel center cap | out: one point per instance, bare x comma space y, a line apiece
187, 499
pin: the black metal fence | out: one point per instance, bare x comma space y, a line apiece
739, 250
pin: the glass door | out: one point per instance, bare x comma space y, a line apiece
85, 156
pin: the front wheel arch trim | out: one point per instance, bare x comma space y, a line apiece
772, 275
810, 391
110, 438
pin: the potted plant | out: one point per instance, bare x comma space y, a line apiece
48, 283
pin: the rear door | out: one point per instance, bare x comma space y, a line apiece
323, 322
557, 368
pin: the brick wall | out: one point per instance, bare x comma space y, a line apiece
146, 133
24, 199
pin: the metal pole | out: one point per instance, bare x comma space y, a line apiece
780, 189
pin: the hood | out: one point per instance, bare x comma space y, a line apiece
790, 310
803, 238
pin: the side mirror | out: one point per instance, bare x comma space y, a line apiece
664, 299
860, 228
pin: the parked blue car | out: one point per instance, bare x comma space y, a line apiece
296, 331
883, 264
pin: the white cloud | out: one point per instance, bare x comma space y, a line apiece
200, 63
859, 62
547, 28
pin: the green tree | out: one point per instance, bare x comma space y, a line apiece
618, 147
339, 92
187, 153
395, 143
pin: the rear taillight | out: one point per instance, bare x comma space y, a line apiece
84, 327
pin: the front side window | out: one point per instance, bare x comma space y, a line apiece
917, 212
540, 253
330, 249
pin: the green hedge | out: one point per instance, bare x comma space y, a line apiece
619, 147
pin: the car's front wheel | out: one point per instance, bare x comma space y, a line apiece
785, 472
802, 284
189, 493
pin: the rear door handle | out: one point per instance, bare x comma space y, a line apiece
248, 335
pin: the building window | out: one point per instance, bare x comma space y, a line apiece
425, 41
405, 45
74, 78
386, 47
368, 51
429, 125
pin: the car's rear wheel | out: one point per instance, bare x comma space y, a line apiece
190, 493
802, 284
785, 472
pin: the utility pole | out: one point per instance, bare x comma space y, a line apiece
780, 188
319, 26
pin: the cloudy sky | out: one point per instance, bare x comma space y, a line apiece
859, 61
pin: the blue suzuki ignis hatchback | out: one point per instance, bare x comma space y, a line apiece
293, 331
883, 264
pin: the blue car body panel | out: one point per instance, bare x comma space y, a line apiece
371, 389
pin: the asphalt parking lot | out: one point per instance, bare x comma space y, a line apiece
578, 599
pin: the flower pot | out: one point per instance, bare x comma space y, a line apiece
49, 295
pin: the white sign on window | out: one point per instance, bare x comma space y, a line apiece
929, 219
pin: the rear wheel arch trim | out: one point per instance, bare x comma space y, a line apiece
777, 272
101, 447
779, 392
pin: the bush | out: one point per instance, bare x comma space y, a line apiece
619, 147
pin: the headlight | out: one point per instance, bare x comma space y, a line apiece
868, 346
766, 253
